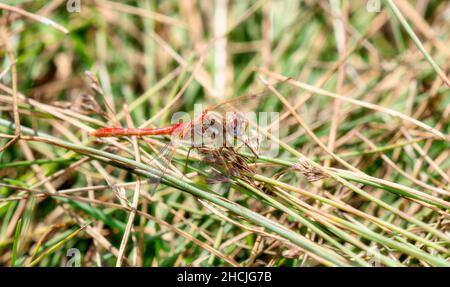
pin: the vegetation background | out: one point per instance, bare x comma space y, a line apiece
363, 174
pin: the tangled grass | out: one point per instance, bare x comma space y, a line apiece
362, 177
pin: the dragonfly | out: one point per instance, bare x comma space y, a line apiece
215, 137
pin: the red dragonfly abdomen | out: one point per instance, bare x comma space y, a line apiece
118, 132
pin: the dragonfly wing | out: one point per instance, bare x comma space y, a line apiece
160, 163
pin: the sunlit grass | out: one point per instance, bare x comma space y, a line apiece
362, 176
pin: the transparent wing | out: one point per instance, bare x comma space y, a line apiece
160, 163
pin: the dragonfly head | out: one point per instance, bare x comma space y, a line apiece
235, 124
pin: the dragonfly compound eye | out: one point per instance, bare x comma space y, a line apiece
235, 126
